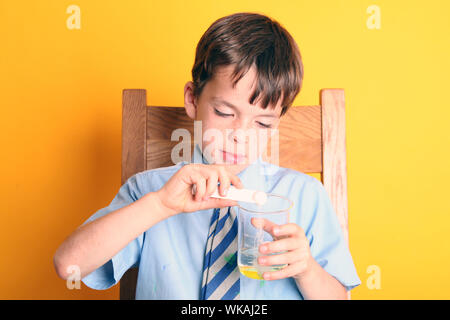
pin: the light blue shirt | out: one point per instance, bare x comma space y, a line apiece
170, 253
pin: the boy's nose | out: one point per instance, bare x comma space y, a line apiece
239, 136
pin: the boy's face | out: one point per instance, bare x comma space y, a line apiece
234, 132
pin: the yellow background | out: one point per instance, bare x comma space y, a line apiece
61, 123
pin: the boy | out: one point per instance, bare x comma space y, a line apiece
246, 74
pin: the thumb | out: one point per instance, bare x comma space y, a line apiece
217, 203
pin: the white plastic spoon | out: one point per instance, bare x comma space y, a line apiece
245, 195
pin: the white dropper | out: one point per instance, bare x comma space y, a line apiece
245, 195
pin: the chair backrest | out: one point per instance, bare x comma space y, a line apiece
311, 140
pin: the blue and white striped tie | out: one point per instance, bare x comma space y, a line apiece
220, 270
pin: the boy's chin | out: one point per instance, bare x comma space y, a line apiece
233, 163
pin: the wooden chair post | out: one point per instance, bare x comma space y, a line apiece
134, 124
334, 173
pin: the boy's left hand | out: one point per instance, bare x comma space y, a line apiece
290, 238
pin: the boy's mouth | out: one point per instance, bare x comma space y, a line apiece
231, 157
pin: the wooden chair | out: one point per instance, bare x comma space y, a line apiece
311, 140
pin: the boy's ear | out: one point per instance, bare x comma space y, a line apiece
190, 103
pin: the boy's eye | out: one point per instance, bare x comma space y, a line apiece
222, 114
264, 125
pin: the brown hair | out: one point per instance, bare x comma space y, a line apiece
250, 39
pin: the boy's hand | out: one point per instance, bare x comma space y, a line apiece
176, 195
290, 238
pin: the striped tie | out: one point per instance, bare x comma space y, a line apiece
220, 270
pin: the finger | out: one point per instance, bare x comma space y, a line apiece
285, 244
282, 258
217, 203
200, 183
287, 229
211, 183
262, 223
224, 181
236, 181
286, 272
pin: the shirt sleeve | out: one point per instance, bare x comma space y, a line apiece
327, 243
112, 271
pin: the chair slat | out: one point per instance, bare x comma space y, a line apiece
299, 137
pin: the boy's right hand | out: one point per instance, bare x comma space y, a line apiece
176, 195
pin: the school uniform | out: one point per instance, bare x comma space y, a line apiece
170, 254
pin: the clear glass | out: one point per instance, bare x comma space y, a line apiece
251, 233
